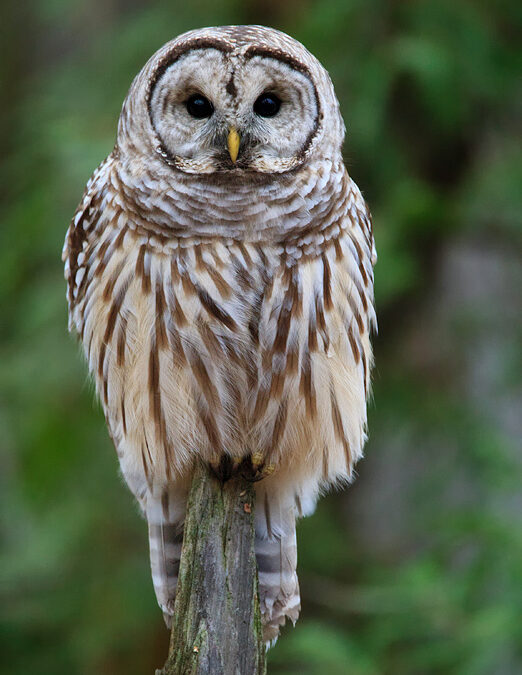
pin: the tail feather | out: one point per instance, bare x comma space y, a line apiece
276, 554
165, 552
275, 547
165, 517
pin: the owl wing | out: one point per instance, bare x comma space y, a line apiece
80, 239
309, 412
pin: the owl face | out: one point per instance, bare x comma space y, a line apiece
235, 100
218, 112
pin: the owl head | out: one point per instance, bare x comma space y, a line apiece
233, 100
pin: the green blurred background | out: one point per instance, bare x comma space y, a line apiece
418, 567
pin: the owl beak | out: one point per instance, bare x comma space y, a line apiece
233, 142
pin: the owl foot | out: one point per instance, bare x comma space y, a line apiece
255, 467
252, 468
225, 467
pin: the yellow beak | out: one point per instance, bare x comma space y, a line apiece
233, 142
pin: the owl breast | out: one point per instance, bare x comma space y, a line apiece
225, 346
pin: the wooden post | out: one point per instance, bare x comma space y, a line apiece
216, 627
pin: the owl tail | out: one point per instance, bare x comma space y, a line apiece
275, 547
165, 516
276, 553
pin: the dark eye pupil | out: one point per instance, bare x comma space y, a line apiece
198, 106
267, 105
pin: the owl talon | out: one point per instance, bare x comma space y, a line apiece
255, 468
236, 463
257, 459
226, 467
221, 468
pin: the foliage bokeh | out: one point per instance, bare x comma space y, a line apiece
417, 568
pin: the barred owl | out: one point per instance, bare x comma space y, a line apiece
220, 278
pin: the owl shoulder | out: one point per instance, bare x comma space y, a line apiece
360, 217
84, 225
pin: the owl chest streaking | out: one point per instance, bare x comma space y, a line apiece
219, 273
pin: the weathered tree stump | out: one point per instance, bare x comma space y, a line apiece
216, 627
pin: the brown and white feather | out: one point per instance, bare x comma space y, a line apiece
227, 317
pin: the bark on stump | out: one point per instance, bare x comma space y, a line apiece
216, 627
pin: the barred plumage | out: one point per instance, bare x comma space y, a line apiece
225, 307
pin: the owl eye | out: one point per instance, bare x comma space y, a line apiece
267, 105
199, 107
